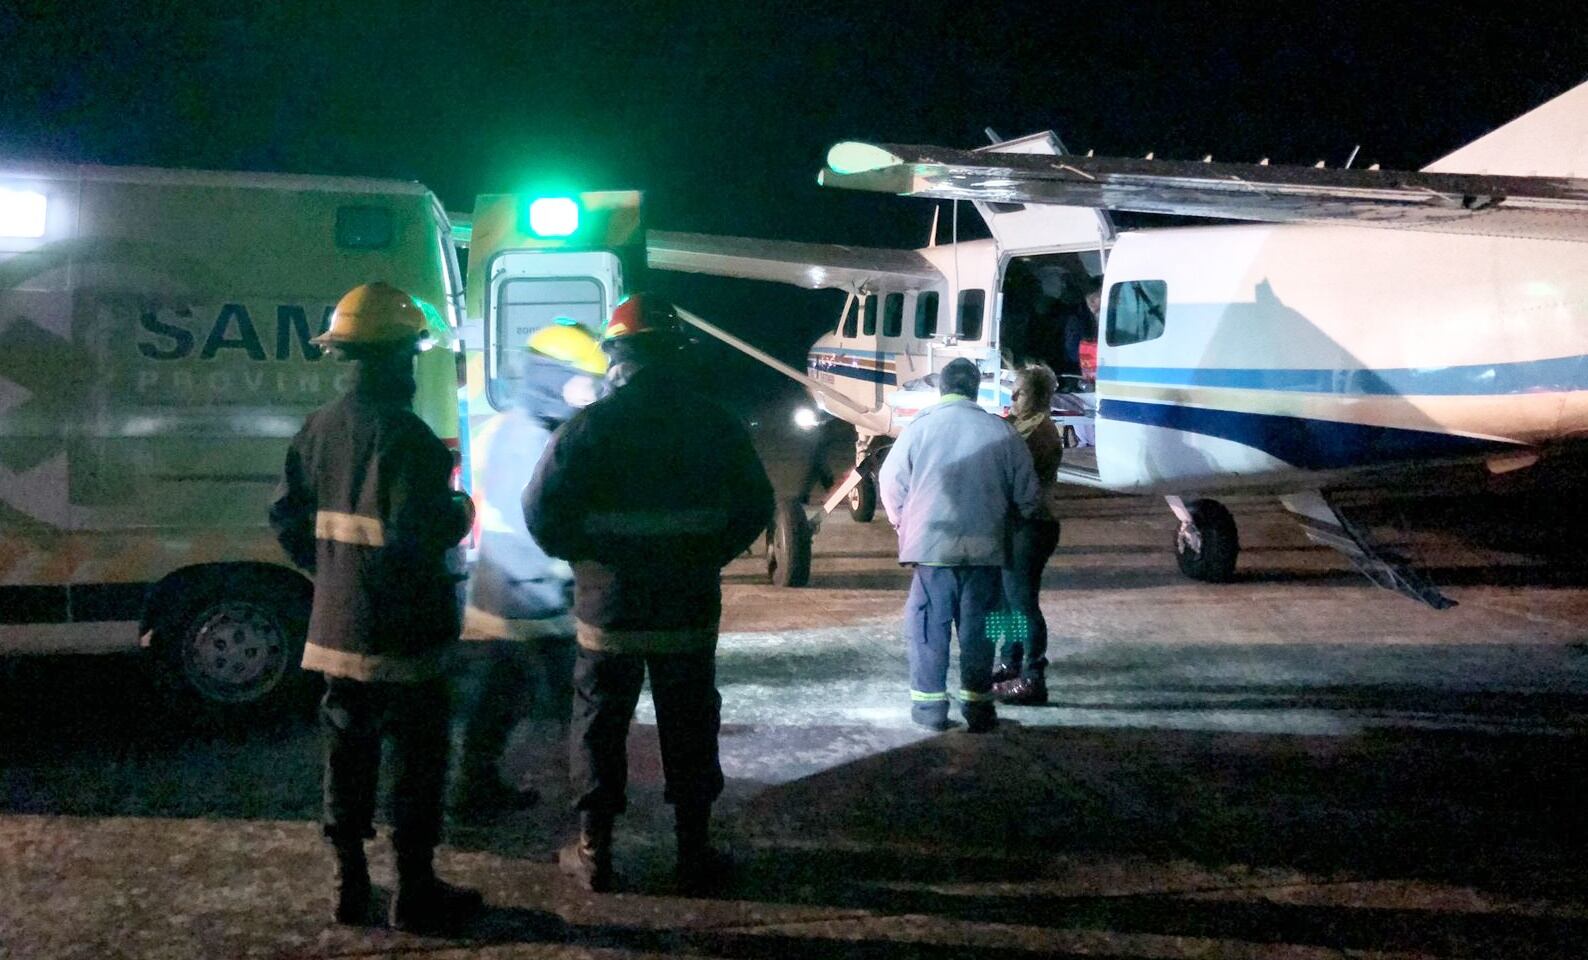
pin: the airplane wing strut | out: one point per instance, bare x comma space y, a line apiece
875, 420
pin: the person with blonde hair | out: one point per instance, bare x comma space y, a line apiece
1020, 677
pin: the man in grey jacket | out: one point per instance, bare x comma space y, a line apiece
948, 486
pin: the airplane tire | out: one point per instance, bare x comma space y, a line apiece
788, 556
1215, 562
863, 500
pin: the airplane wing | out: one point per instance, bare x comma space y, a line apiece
1540, 207
815, 266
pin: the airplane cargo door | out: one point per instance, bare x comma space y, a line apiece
1027, 228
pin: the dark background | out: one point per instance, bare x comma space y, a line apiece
723, 112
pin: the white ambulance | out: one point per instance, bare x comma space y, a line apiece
155, 361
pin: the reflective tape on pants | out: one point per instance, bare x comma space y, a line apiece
349, 528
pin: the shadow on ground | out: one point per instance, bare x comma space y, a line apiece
1061, 832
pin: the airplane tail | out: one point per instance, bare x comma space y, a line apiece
1548, 141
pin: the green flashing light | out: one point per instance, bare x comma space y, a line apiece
554, 217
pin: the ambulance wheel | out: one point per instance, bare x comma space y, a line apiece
863, 500
788, 555
1214, 561
236, 648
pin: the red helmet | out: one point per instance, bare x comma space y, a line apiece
641, 313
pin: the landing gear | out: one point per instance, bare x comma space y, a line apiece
870, 450
788, 542
788, 539
863, 500
1207, 543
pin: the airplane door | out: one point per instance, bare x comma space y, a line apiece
1024, 228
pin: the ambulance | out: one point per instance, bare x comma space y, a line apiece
155, 360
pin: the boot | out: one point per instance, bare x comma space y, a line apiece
588, 859
980, 716
424, 903
352, 884
1022, 691
701, 868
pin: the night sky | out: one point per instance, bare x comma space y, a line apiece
722, 113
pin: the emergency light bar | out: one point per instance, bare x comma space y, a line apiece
553, 217
22, 213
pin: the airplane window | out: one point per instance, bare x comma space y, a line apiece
971, 306
926, 315
851, 321
1136, 311
870, 327
893, 315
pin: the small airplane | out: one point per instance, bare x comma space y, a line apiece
1362, 327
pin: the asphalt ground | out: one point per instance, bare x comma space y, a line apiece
1294, 765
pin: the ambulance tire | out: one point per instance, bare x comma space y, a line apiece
1215, 562
863, 500
236, 647
788, 555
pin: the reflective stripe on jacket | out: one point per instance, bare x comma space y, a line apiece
365, 505
649, 492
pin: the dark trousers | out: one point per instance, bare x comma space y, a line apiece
507, 681
941, 600
414, 716
688, 715
1025, 636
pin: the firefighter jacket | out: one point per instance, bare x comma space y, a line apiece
365, 505
951, 481
517, 592
648, 492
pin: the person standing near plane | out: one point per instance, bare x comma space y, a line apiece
948, 486
521, 642
1020, 677
649, 492
366, 506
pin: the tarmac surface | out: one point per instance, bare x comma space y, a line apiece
1295, 765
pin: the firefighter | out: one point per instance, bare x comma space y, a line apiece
520, 598
648, 492
365, 506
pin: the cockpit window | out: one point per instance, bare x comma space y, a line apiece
1136, 311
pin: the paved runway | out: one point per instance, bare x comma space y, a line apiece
1293, 765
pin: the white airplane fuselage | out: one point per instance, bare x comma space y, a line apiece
1291, 357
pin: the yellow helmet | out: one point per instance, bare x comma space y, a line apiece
571, 344
374, 314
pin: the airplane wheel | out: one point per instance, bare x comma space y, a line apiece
788, 556
863, 501
1215, 561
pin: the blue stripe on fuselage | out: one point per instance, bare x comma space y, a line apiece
1483, 379
855, 373
1300, 441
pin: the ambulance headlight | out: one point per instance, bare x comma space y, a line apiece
21, 213
807, 419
